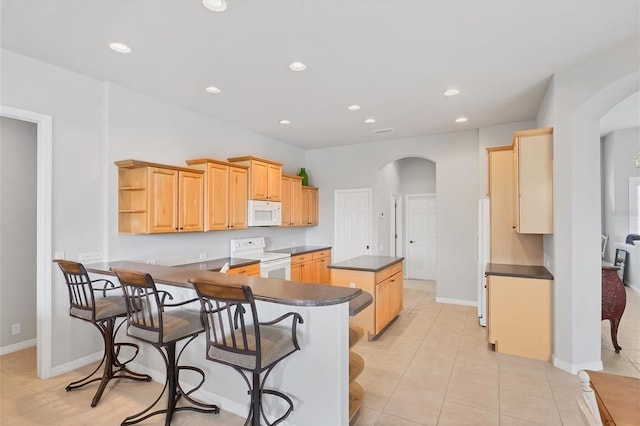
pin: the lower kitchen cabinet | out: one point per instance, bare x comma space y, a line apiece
249, 270
519, 315
311, 267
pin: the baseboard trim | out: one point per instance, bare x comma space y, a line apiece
80, 362
456, 301
574, 368
18, 346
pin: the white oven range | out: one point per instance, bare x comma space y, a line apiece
272, 265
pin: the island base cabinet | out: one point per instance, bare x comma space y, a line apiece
386, 287
519, 316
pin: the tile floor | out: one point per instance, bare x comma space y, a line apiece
431, 367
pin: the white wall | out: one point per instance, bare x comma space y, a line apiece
417, 176
456, 159
576, 100
17, 230
618, 149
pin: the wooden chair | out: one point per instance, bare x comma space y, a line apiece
236, 338
148, 321
102, 312
587, 401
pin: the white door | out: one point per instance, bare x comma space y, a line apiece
353, 224
421, 237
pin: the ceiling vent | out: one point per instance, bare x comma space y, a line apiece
388, 129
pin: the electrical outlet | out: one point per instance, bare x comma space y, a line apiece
203, 256
58, 255
90, 256
352, 285
151, 262
15, 329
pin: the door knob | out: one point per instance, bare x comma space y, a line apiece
411, 241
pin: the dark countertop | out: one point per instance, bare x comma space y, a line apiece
266, 289
217, 264
367, 263
520, 271
293, 251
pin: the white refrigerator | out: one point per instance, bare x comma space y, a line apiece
482, 257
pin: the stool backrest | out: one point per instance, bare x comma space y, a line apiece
230, 321
81, 297
144, 309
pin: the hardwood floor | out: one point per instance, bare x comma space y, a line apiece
431, 367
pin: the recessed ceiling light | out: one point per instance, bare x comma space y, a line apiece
297, 66
215, 5
461, 120
285, 122
451, 92
353, 107
120, 48
370, 120
213, 89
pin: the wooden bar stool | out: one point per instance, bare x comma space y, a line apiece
236, 338
102, 312
148, 321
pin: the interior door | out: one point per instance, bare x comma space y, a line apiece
353, 233
421, 236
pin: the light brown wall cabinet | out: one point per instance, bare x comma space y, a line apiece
156, 198
311, 267
386, 288
265, 178
508, 246
225, 194
519, 319
533, 171
309, 205
292, 200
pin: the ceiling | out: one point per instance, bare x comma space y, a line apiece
393, 58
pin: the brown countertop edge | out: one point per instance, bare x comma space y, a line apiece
367, 263
519, 271
217, 264
265, 289
294, 251
358, 303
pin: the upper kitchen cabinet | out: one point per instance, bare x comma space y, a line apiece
265, 178
309, 205
225, 194
533, 171
507, 245
156, 198
292, 201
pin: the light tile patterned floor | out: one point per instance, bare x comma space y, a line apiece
432, 366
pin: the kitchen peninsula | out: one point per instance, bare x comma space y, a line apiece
321, 394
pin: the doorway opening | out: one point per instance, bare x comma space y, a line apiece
44, 145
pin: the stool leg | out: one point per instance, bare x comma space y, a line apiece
109, 360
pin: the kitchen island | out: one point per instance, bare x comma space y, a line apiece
381, 276
321, 393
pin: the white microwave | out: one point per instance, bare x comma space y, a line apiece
264, 213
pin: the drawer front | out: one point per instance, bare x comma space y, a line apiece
246, 270
301, 258
321, 254
387, 272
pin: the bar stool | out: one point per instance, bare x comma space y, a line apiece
102, 312
148, 321
236, 338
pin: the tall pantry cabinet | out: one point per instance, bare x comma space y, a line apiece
519, 288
